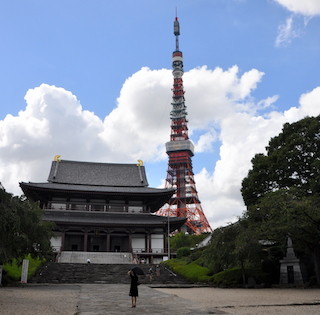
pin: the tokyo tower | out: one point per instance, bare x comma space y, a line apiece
185, 201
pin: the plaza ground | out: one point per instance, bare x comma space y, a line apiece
96, 299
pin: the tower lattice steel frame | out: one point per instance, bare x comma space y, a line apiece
185, 201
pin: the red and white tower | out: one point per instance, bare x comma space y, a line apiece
185, 201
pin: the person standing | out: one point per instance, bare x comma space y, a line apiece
133, 288
158, 271
150, 274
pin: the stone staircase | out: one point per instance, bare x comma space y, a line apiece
102, 273
95, 257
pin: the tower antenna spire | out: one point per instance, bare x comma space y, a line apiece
184, 202
176, 30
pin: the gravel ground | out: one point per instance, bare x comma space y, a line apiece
254, 301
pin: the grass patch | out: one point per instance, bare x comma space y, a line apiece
190, 271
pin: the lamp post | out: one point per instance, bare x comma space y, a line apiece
168, 236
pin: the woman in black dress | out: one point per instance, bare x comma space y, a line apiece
133, 288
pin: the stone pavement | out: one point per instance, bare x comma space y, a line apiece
96, 299
114, 299
92, 299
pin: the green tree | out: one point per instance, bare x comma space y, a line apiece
247, 249
292, 160
22, 230
182, 239
220, 253
282, 191
235, 245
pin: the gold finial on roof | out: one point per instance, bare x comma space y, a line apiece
140, 163
57, 158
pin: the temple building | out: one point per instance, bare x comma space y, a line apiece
104, 207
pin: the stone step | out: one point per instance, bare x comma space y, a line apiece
95, 257
102, 273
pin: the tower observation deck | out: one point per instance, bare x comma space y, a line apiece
185, 201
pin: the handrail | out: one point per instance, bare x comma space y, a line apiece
170, 271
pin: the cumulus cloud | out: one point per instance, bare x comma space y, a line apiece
305, 7
138, 126
205, 142
242, 136
222, 114
53, 122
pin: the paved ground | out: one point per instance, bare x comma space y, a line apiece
39, 299
95, 299
254, 301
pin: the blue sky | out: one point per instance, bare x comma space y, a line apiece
99, 77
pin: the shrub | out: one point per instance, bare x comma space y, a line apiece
196, 254
227, 278
183, 252
233, 277
13, 270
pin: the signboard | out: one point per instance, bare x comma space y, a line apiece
24, 271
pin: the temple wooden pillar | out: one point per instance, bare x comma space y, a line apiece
63, 237
85, 240
108, 241
130, 242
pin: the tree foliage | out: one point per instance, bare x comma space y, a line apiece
22, 231
288, 213
282, 191
292, 160
182, 239
219, 254
233, 246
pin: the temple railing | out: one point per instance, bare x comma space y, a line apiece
151, 250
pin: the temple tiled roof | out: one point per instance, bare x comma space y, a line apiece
90, 188
97, 174
72, 179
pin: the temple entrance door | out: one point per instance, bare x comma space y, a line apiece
119, 243
97, 243
73, 242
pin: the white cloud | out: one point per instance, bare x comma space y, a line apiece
242, 136
214, 94
268, 102
138, 126
221, 110
286, 33
53, 122
205, 142
310, 102
304, 7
